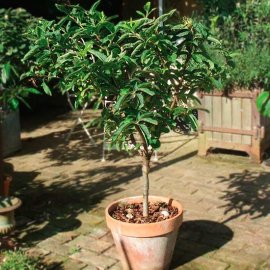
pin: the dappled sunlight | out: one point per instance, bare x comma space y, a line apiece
55, 206
248, 193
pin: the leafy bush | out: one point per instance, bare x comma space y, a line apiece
17, 260
217, 7
13, 46
244, 29
252, 68
148, 70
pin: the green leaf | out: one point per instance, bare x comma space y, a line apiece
99, 55
266, 109
62, 8
145, 132
165, 129
120, 100
32, 90
217, 83
5, 73
46, 89
197, 58
94, 7
212, 39
141, 100
261, 100
14, 104
140, 13
150, 120
147, 7
121, 128
155, 143
24, 102
193, 121
33, 50
173, 57
147, 91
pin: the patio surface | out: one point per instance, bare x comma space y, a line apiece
65, 187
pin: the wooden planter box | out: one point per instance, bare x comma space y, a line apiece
233, 122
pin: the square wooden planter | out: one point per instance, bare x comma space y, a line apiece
233, 122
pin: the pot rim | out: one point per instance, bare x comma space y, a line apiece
12, 207
130, 228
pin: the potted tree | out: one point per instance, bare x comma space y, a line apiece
162, 68
149, 70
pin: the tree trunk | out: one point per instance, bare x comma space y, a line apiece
145, 173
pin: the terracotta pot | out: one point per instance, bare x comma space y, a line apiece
145, 246
6, 185
7, 207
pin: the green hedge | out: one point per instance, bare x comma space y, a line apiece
14, 43
244, 28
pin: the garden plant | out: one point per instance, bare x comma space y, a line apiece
243, 27
151, 73
147, 68
17, 260
14, 44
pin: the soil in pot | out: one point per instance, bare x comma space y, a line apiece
133, 212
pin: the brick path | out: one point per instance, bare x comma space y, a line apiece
65, 188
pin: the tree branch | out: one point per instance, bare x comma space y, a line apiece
143, 140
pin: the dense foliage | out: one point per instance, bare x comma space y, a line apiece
244, 28
147, 68
247, 32
149, 72
13, 46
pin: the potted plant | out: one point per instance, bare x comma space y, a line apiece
7, 204
13, 45
149, 70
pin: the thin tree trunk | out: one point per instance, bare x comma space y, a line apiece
145, 173
146, 157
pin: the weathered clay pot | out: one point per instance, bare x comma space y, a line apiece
145, 246
7, 207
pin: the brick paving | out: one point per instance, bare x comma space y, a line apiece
65, 187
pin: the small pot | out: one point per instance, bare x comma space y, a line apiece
7, 208
145, 246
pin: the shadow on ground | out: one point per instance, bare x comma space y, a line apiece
63, 152
53, 206
247, 194
45, 116
197, 238
49, 208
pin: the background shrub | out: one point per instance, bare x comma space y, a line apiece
244, 27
